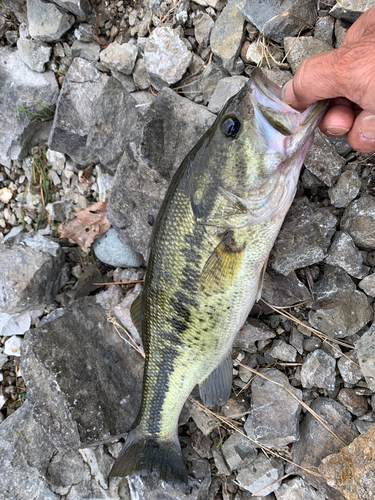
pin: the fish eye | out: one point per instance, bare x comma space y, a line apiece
231, 127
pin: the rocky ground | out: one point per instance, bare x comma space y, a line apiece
99, 104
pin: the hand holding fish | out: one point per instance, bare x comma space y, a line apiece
346, 75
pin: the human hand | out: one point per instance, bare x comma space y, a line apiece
347, 76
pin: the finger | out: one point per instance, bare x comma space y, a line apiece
362, 135
339, 118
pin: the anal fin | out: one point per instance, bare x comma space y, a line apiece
215, 389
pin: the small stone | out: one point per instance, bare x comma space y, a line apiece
340, 32
211, 76
275, 414
350, 10
111, 250
12, 346
260, 473
34, 53
283, 291
357, 405
6, 195
140, 75
238, 451
363, 426
298, 49
368, 285
220, 464
366, 356
297, 489
225, 89
119, 57
318, 370
311, 344
346, 189
359, 221
47, 23
345, 254
235, 408
324, 27
88, 51
349, 371
296, 340
283, 351
252, 331
16, 324
204, 422
203, 27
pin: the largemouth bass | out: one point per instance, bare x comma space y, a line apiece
209, 250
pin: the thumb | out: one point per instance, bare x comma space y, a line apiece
314, 81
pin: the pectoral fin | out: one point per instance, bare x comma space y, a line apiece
215, 390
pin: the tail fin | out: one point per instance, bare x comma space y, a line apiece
144, 454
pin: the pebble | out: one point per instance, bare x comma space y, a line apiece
368, 285
366, 356
357, 405
260, 473
111, 250
345, 254
349, 370
359, 221
346, 189
6, 195
12, 346
282, 351
225, 89
119, 57
318, 370
238, 451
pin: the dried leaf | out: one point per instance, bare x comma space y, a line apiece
88, 225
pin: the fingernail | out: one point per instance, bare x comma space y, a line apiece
337, 130
367, 128
287, 93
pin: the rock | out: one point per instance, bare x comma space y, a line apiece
204, 422
304, 237
311, 344
238, 451
267, 17
323, 161
140, 75
225, 89
80, 8
75, 411
300, 48
260, 473
283, 291
211, 76
318, 370
203, 27
275, 413
220, 463
346, 189
158, 143
345, 254
357, 405
88, 51
46, 22
341, 310
74, 112
282, 351
324, 28
252, 331
350, 10
341, 144
39, 261
366, 356
349, 371
6, 195
235, 408
296, 340
352, 470
254, 53
297, 489
34, 53
227, 35
363, 426
21, 88
359, 221
122, 313
166, 57
368, 285
340, 32
16, 324
109, 249
316, 442
277, 75
12, 346
119, 57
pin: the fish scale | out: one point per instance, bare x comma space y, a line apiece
208, 252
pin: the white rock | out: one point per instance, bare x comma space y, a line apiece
120, 57
5, 195
16, 324
12, 346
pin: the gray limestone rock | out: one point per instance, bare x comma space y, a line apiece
83, 83
316, 442
47, 23
318, 370
203, 27
282, 351
275, 414
85, 50
39, 261
282, 291
366, 356
159, 141
323, 161
166, 57
349, 370
266, 16
15, 324
111, 250
324, 28
340, 32
304, 237
340, 309
140, 75
346, 189
345, 254
22, 89
299, 48
80, 8
225, 89
350, 10
83, 380
368, 285
260, 473
252, 331
34, 54
227, 35
359, 221
119, 57
238, 451
355, 403
211, 76
341, 144
297, 489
